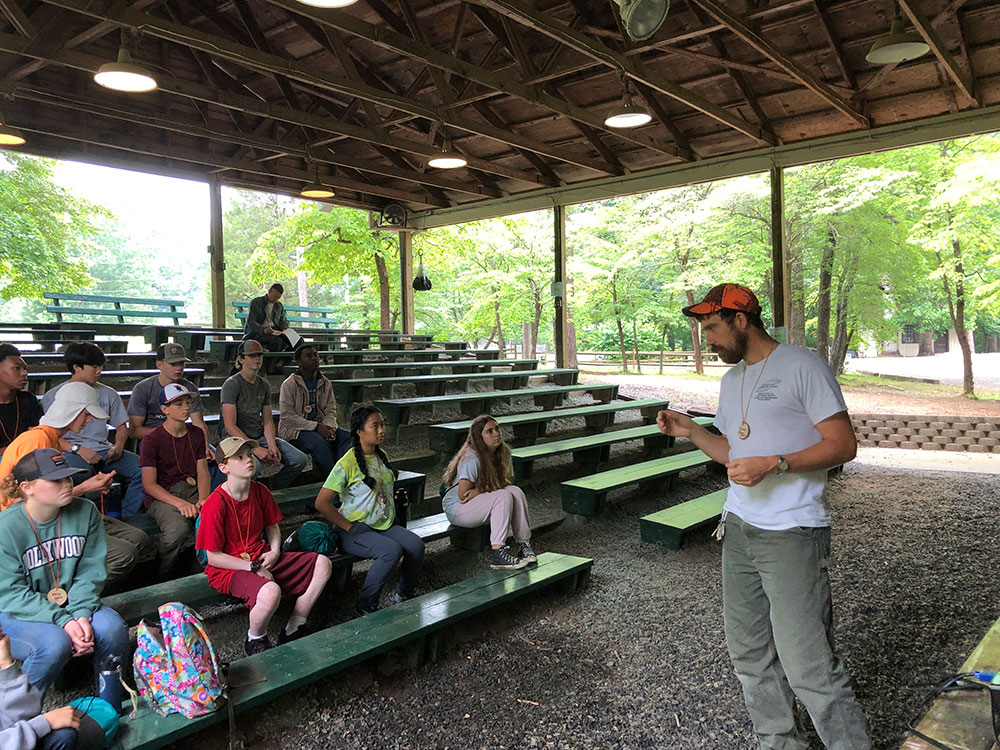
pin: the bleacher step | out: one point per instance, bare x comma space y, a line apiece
670, 525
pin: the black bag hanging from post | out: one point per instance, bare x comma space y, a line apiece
420, 281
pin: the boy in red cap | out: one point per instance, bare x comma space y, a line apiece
239, 533
784, 423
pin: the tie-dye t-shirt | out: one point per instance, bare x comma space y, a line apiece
359, 502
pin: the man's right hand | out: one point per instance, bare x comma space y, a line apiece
674, 423
88, 455
263, 454
100, 483
63, 718
325, 431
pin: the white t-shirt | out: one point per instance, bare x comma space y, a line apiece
468, 469
795, 393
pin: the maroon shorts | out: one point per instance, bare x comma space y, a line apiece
292, 572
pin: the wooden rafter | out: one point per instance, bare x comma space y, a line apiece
18, 19
527, 15
262, 61
926, 29
834, 41
410, 47
722, 14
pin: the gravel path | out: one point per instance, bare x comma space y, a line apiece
638, 659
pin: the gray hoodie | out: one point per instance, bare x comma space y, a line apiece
22, 724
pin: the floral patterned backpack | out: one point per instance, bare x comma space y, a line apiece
175, 666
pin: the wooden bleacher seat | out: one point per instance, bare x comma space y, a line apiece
588, 451
113, 360
136, 307
398, 369
669, 526
351, 391
263, 677
447, 437
397, 410
40, 382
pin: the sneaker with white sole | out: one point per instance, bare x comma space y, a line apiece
501, 559
526, 553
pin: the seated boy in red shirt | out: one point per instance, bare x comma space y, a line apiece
239, 533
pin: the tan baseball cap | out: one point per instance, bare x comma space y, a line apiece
172, 354
231, 446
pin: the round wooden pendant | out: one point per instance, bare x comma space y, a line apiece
245, 555
743, 431
192, 481
58, 596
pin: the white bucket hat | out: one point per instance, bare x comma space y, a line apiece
70, 400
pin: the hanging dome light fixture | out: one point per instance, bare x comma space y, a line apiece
317, 189
9, 136
897, 46
447, 158
328, 3
123, 74
627, 114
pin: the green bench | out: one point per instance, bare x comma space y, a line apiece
191, 338
113, 360
588, 451
447, 437
259, 679
174, 313
40, 382
398, 369
46, 337
351, 391
397, 410
669, 526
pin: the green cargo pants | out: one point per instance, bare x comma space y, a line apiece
779, 631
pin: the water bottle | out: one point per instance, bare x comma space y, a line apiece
109, 685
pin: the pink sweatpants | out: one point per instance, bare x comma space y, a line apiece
504, 508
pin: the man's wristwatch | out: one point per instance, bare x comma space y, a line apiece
75, 448
255, 566
782, 465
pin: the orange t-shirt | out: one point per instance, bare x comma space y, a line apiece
41, 436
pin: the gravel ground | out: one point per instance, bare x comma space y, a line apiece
638, 660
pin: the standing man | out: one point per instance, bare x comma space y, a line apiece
85, 361
266, 320
246, 413
308, 413
19, 410
784, 423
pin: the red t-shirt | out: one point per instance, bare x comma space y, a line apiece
234, 527
173, 458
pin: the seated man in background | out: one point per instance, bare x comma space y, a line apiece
19, 410
73, 408
308, 413
266, 320
246, 413
86, 449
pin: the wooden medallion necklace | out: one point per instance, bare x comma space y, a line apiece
17, 421
173, 444
57, 594
244, 537
744, 431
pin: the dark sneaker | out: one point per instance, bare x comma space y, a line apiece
399, 598
360, 611
256, 645
526, 553
301, 632
501, 559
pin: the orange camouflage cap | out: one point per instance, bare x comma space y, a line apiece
725, 297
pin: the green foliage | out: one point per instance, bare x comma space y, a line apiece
46, 234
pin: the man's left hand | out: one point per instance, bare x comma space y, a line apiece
114, 453
269, 558
750, 471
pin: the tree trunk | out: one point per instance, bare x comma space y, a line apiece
618, 322
841, 336
635, 348
926, 344
663, 344
536, 323
956, 311
383, 292
823, 303
571, 358
526, 341
699, 366
797, 322
499, 325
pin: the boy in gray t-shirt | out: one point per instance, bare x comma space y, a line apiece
246, 413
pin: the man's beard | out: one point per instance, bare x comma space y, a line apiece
732, 355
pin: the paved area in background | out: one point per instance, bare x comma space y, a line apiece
944, 367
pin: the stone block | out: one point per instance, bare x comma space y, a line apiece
894, 424
940, 425
985, 426
988, 441
916, 425
898, 438
954, 447
977, 449
974, 434
886, 444
993, 434
873, 423
962, 426
919, 439
941, 440
906, 431
965, 441
952, 433
886, 431
931, 447
927, 432
910, 445
867, 443
995, 449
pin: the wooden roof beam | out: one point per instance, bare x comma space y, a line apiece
722, 14
527, 15
18, 19
835, 45
963, 80
410, 47
258, 60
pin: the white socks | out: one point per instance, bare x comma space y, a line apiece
252, 637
